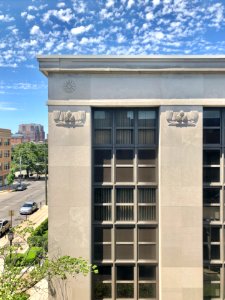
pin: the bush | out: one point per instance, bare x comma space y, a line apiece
32, 256
39, 238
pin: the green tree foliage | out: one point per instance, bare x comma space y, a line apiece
11, 176
22, 271
34, 157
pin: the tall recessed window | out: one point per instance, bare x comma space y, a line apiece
213, 202
125, 218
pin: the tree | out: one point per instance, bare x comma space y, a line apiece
19, 273
33, 157
11, 176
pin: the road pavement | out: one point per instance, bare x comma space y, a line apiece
13, 200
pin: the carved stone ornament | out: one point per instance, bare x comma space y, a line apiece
69, 86
69, 119
182, 118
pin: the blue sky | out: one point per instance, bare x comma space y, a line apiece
104, 27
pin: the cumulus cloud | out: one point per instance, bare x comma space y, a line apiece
81, 29
155, 2
109, 3
35, 30
130, 3
64, 15
149, 16
6, 18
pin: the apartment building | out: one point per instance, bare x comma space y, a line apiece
136, 174
5, 155
32, 132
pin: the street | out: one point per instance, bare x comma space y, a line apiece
14, 200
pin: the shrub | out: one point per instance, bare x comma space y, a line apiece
39, 238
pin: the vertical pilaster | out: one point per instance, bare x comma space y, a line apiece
180, 207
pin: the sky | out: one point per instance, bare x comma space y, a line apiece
98, 27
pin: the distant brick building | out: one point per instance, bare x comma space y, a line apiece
32, 132
5, 154
18, 138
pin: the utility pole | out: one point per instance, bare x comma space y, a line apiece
20, 169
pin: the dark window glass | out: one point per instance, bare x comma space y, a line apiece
206, 251
102, 251
102, 195
104, 273
146, 118
211, 136
211, 195
215, 234
211, 290
125, 273
102, 174
211, 118
146, 136
124, 118
102, 157
147, 234
147, 290
125, 290
124, 251
102, 234
124, 174
211, 157
215, 251
146, 213
102, 118
102, 290
124, 195
124, 137
102, 137
211, 174
147, 251
147, 272
124, 157
124, 213
102, 213
146, 195
124, 234
212, 273
147, 156
146, 174
211, 213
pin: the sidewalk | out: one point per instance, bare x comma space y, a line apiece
36, 218
40, 291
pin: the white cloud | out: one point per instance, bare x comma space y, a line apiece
149, 16
120, 38
3, 106
35, 30
130, 3
159, 35
61, 4
109, 3
23, 14
81, 29
6, 18
30, 17
155, 2
64, 15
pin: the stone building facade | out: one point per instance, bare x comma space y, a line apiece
136, 174
5, 155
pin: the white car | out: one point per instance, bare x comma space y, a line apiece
28, 208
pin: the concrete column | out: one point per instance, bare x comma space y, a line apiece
180, 208
70, 198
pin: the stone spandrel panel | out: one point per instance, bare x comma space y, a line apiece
180, 202
135, 86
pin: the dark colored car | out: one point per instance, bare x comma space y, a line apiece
21, 187
4, 226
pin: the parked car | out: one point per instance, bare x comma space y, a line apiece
28, 208
4, 226
21, 187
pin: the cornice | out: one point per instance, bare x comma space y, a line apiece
209, 102
131, 64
